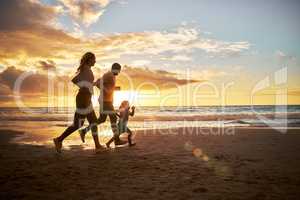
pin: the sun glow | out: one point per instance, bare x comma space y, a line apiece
128, 95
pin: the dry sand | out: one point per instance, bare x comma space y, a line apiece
251, 164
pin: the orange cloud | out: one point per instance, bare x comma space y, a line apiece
47, 65
132, 78
29, 37
31, 87
19, 15
36, 85
27, 31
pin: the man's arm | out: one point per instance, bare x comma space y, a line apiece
103, 83
98, 83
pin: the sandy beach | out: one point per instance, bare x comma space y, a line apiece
204, 94
254, 163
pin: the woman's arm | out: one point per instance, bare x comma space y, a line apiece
76, 79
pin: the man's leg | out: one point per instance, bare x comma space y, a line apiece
100, 120
77, 123
109, 142
114, 128
113, 124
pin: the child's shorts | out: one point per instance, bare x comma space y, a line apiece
122, 127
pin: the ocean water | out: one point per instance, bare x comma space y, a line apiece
145, 117
41, 124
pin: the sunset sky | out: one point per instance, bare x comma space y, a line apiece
175, 52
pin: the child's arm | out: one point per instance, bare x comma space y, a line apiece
132, 111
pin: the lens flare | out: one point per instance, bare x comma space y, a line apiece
197, 152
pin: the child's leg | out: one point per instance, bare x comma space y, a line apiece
129, 137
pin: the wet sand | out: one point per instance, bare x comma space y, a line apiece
254, 163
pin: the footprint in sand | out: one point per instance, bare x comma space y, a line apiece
200, 190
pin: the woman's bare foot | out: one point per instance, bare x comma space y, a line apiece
58, 145
82, 135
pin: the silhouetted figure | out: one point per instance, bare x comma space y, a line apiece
84, 108
107, 86
124, 112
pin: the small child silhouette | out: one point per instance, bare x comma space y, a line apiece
124, 112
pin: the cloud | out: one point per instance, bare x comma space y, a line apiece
32, 87
34, 83
219, 73
35, 42
221, 48
31, 38
283, 56
16, 14
86, 12
209, 74
27, 31
294, 92
24, 48
132, 78
179, 41
273, 91
4, 90
181, 58
47, 65
280, 54
140, 63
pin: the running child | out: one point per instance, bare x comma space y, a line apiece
124, 112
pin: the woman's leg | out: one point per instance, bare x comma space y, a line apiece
91, 117
77, 123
